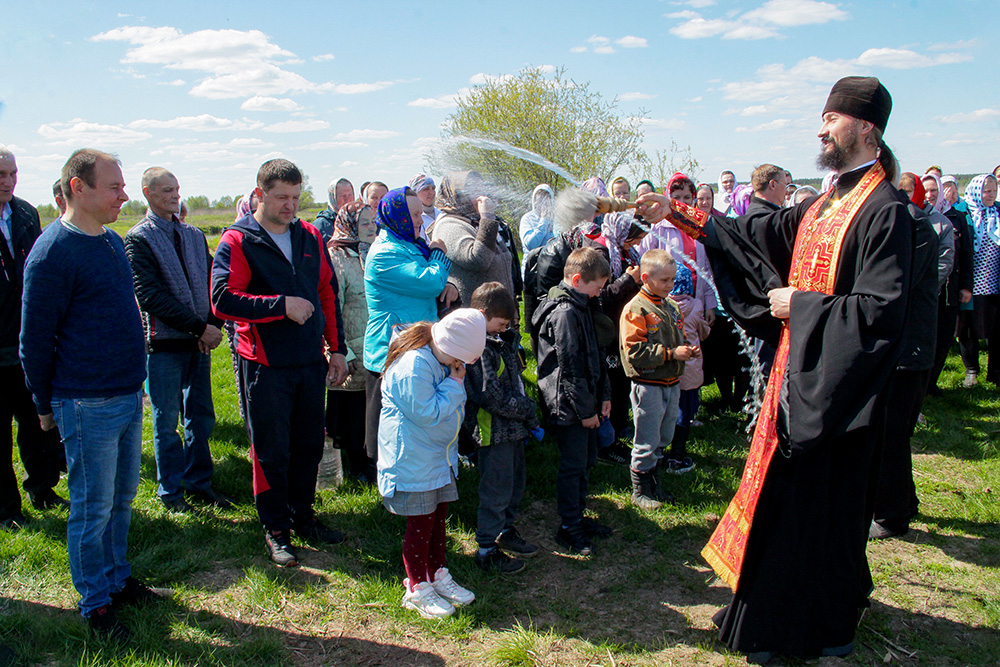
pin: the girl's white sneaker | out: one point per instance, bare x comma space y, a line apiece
426, 601
447, 588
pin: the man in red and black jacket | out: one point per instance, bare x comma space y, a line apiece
271, 274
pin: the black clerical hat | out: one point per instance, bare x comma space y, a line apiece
863, 97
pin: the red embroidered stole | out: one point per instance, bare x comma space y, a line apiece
814, 268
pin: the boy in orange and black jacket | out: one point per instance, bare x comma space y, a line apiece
653, 353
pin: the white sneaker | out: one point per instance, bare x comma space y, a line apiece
451, 591
424, 600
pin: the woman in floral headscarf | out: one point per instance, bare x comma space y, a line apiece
405, 278
353, 232
984, 223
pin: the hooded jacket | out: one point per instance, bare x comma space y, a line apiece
251, 278
422, 410
572, 378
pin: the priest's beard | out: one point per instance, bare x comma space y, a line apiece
840, 155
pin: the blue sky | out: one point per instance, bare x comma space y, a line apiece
211, 90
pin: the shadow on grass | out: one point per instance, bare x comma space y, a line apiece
932, 639
168, 633
979, 546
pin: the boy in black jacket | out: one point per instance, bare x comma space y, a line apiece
505, 417
572, 380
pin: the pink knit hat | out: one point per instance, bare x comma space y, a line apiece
461, 334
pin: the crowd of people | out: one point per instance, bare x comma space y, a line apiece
391, 326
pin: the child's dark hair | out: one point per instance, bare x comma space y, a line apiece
412, 337
589, 263
494, 300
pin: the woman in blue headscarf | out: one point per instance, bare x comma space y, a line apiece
405, 278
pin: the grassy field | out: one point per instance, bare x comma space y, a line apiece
645, 598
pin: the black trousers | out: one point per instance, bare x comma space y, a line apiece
980, 323
621, 388
577, 454
947, 323
285, 417
896, 495
345, 423
373, 412
725, 363
41, 451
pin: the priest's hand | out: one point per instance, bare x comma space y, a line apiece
964, 296
591, 422
781, 302
653, 207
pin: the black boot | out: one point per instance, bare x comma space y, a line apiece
659, 492
642, 490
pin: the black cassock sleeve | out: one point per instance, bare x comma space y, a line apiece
844, 345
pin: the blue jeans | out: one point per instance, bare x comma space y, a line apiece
180, 383
103, 440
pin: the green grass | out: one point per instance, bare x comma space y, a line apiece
645, 598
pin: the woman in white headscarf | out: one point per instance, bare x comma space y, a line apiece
984, 221
727, 184
536, 225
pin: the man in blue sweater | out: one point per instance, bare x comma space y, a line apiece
84, 362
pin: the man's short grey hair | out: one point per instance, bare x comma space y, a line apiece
5, 153
574, 206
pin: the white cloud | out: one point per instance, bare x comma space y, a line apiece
698, 4
442, 102
83, 133
760, 23
598, 39
261, 103
632, 97
953, 46
331, 145
323, 57
175, 82
547, 69
776, 124
367, 134
201, 123
235, 63
604, 49
699, 28
578, 49
906, 59
789, 13
481, 78
348, 163
297, 126
694, 100
664, 123
355, 88
632, 42
971, 117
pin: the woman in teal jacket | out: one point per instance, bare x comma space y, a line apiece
404, 279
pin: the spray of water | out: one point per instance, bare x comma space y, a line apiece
523, 154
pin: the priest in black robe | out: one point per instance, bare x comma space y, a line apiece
825, 282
